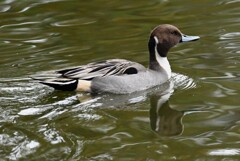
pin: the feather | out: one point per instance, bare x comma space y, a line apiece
101, 69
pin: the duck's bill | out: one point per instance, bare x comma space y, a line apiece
186, 38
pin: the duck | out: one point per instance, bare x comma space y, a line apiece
120, 76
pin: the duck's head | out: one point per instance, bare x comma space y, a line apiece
164, 37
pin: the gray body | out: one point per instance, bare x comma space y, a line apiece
128, 83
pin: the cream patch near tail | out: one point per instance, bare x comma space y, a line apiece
84, 86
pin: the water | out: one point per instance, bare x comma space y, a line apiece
195, 116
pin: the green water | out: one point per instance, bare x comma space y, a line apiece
198, 120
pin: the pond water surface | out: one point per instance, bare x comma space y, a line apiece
195, 116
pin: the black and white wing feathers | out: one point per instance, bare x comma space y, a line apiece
102, 69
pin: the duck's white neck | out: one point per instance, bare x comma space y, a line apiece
162, 61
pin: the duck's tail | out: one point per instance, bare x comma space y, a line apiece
63, 84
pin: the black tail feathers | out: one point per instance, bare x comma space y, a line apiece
63, 84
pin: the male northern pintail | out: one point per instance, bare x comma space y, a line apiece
123, 76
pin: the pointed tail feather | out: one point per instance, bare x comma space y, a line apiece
63, 84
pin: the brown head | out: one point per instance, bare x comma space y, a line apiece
164, 37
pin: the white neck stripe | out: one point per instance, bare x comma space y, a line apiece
162, 61
156, 40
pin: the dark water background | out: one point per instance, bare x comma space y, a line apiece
199, 120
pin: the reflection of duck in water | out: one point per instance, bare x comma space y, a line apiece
163, 119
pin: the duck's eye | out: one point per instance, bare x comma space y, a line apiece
174, 33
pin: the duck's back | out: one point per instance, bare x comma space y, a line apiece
102, 69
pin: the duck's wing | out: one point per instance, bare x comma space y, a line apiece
102, 69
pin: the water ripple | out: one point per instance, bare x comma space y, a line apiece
36, 41
224, 152
38, 4
183, 81
20, 24
73, 22
231, 35
5, 8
